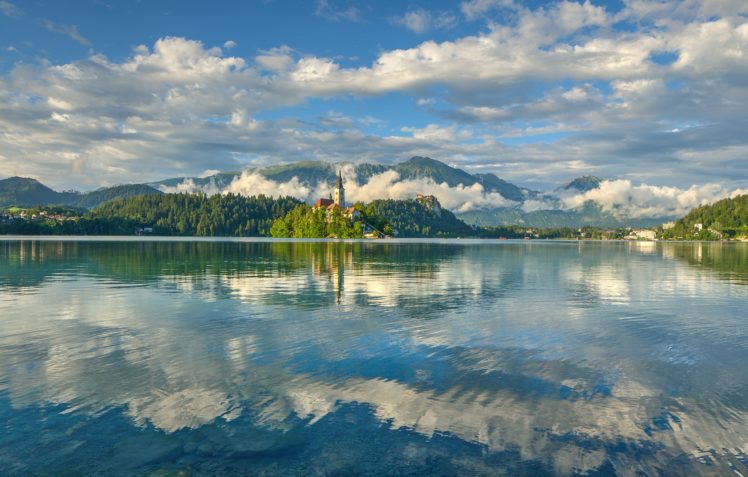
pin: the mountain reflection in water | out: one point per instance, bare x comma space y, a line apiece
439, 358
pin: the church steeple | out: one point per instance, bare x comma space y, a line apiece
340, 191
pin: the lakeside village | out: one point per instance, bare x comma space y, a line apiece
39, 214
334, 208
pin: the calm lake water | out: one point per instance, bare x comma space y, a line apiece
418, 358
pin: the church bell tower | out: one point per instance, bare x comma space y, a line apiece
340, 192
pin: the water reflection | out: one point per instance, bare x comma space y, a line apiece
526, 358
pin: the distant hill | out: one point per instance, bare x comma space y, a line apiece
26, 192
414, 218
588, 215
724, 218
95, 198
221, 179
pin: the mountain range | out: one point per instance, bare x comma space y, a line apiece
29, 192
26, 192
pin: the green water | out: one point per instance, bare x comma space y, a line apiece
375, 358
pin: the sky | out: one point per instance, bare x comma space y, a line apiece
101, 92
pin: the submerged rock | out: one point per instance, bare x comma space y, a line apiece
144, 450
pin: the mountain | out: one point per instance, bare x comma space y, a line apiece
95, 198
583, 184
311, 172
417, 167
26, 192
491, 182
222, 179
591, 214
424, 167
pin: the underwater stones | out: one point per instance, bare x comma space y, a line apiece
263, 443
189, 447
143, 450
206, 449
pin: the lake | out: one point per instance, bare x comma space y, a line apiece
241, 357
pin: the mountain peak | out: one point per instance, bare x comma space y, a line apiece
19, 180
584, 183
423, 160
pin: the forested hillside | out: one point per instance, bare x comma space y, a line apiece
166, 214
412, 218
199, 214
96, 198
26, 192
724, 218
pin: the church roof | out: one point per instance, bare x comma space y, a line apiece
323, 202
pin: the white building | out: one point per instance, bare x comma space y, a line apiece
642, 234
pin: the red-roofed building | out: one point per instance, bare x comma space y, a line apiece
322, 202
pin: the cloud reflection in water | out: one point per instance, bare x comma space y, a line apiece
580, 357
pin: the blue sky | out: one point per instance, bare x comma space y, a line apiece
539, 92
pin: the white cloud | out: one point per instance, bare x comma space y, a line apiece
179, 107
435, 132
9, 10
474, 9
326, 10
251, 183
276, 59
386, 185
69, 30
229, 44
422, 21
624, 199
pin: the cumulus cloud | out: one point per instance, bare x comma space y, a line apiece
189, 186
624, 199
386, 185
252, 183
389, 185
527, 99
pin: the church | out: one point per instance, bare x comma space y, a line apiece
337, 201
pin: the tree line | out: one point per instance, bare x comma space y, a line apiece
168, 214
725, 218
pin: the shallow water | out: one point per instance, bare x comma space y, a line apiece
380, 358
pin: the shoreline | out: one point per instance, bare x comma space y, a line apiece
404, 240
